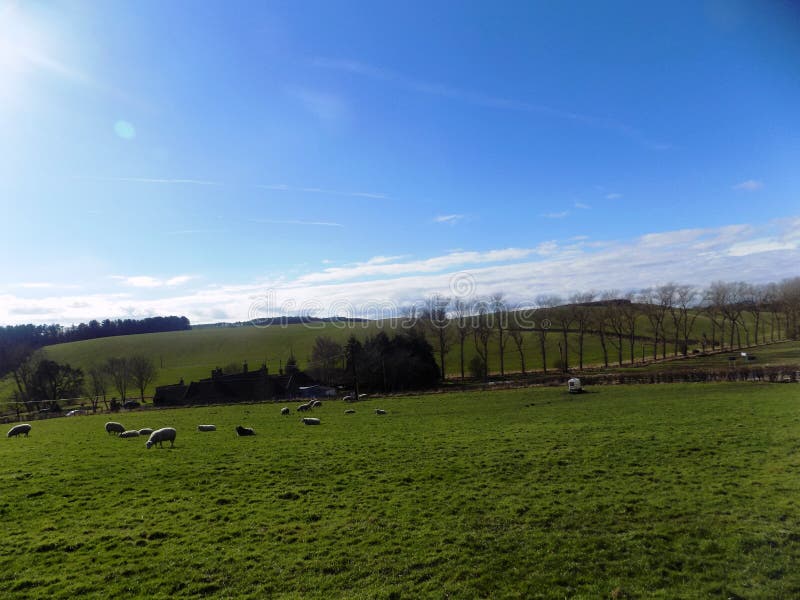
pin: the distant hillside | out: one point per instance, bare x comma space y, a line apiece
192, 354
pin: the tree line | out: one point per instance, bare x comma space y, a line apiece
18, 341
663, 318
41, 383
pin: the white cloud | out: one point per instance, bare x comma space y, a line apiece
449, 219
146, 281
754, 253
582, 206
556, 215
613, 196
751, 185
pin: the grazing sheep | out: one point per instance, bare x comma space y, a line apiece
145, 431
206, 428
380, 411
348, 398
350, 411
18, 429
159, 436
304, 407
129, 434
310, 421
285, 410
244, 430
114, 427
316, 404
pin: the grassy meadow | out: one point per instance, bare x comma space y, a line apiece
669, 491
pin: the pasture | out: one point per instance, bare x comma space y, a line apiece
668, 491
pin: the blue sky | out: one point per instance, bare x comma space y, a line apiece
206, 158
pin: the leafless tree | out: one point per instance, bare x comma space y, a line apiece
482, 333
98, 385
461, 318
582, 313
437, 323
518, 337
500, 315
120, 372
142, 371
684, 306
544, 321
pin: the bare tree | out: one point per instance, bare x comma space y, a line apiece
461, 317
544, 319
98, 385
629, 312
500, 311
611, 317
437, 322
685, 301
325, 355
580, 305
143, 372
518, 337
120, 372
482, 333
789, 298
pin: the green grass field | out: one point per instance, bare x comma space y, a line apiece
668, 491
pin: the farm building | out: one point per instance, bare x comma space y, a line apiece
247, 386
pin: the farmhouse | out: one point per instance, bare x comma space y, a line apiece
247, 386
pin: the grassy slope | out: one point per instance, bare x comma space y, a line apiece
193, 354
663, 491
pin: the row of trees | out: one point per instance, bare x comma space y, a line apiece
665, 318
41, 382
17, 341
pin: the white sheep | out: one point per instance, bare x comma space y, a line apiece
350, 411
145, 431
304, 407
316, 404
114, 427
380, 411
19, 429
285, 410
310, 421
206, 428
159, 436
244, 431
129, 434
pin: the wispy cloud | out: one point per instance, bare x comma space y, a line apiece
449, 219
326, 106
195, 231
294, 222
280, 187
555, 215
613, 196
582, 206
486, 100
149, 180
751, 185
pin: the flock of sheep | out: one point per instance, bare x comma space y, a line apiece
168, 434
